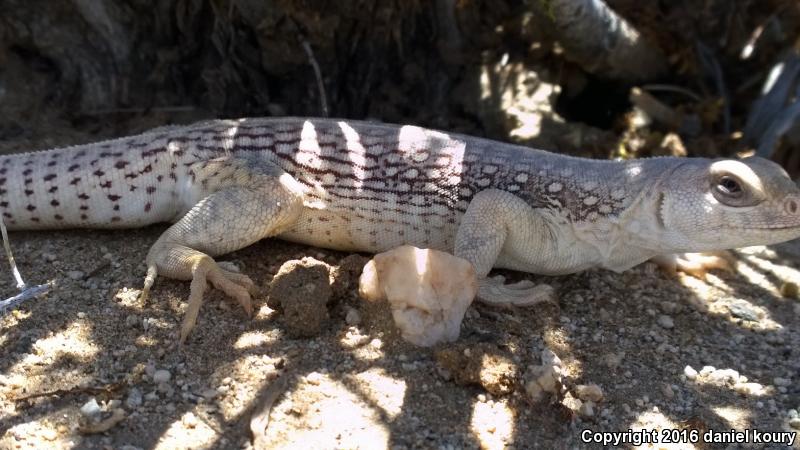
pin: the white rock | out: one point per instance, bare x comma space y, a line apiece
546, 378
749, 389
722, 375
161, 376
189, 420
690, 373
428, 291
49, 434
314, 378
707, 370
572, 403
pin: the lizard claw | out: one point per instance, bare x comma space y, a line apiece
492, 291
694, 264
149, 279
232, 284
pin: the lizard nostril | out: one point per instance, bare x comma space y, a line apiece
791, 206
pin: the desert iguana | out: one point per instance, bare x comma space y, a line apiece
362, 186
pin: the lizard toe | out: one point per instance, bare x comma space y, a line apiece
695, 264
492, 291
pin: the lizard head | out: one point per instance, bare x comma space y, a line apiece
726, 203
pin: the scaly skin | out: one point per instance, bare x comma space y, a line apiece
360, 186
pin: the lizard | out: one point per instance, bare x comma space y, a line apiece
362, 186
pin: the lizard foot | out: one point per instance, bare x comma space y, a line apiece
694, 264
493, 291
205, 269
234, 284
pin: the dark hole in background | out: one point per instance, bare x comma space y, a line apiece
599, 104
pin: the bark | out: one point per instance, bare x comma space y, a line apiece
600, 41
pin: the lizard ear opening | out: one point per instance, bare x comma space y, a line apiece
735, 184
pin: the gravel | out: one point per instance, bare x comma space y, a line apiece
359, 385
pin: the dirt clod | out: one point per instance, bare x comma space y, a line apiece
301, 290
482, 364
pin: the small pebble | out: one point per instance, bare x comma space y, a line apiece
790, 290
161, 376
189, 420
81, 315
132, 320
778, 381
665, 321
75, 275
742, 310
134, 399
314, 378
91, 409
353, 317
49, 434
722, 375
749, 388
590, 392
586, 409
210, 394
795, 423
707, 370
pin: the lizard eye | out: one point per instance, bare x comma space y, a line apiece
734, 183
729, 187
730, 190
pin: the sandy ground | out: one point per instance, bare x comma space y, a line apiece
359, 386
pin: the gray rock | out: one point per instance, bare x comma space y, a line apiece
75, 275
134, 399
742, 310
161, 376
91, 409
665, 321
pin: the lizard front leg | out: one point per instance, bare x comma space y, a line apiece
484, 233
695, 264
254, 200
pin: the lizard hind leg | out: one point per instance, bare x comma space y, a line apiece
486, 228
264, 202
